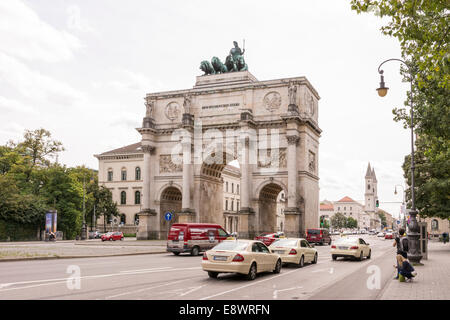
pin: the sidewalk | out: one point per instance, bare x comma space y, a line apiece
14, 251
432, 281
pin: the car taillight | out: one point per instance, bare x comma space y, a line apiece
333, 247
205, 257
354, 247
238, 258
293, 251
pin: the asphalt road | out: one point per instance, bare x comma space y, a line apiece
170, 277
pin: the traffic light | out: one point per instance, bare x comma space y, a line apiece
377, 203
321, 221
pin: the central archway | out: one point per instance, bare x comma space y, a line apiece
219, 185
270, 207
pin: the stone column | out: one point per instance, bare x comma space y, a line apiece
292, 171
148, 226
245, 192
187, 172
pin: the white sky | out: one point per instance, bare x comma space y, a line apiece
82, 68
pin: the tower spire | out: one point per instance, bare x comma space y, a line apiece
369, 171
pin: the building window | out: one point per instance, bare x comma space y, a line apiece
339, 208
123, 197
345, 208
138, 173
124, 175
136, 219
137, 197
232, 205
232, 188
123, 219
237, 189
350, 208
110, 175
226, 205
226, 189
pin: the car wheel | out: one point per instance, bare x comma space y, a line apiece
252, 272
315, 259
176, 253
301, 263
361, 256
110, 239
334, 257
194, 251
277, 267
121, 239
370, 253
213, 274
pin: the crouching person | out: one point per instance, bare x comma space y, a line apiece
405, 269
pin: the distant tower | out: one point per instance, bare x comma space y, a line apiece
371, 193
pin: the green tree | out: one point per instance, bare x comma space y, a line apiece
383, 219
423, 30
338, 221
351, 223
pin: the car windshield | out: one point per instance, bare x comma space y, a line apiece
265, 234
232, 245
313, 231
285, 243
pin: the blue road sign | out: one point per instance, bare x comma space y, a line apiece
168, 216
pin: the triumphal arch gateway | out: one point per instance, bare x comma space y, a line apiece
269, 127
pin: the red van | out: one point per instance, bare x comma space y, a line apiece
318, 235
194, 237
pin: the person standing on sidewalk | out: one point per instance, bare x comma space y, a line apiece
402, 247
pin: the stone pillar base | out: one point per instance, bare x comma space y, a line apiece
148, 225
292, 223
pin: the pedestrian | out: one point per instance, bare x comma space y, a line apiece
445, 237
401, 242
405, 269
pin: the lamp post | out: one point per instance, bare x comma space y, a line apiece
413, 234
403, 202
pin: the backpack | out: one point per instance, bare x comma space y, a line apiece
402, 245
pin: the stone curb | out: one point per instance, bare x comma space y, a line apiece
80, 257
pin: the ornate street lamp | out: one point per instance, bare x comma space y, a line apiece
413, 232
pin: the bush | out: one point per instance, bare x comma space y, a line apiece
129, 235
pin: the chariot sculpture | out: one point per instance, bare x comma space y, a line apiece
233, 62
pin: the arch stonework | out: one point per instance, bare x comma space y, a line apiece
265, 125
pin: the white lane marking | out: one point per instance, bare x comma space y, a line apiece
141, 270
275, 292
329, 270
63, 280
248, 285
192, 290
140, 290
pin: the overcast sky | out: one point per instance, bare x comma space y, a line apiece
82, 68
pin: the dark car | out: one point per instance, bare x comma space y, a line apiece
318, 235
112, 236
268, 237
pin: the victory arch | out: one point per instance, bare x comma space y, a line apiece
269, 127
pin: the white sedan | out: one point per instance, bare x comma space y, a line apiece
247, 257
294, 250
351, 247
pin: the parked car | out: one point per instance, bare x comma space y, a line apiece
112, 236
351, 247
194, 237
380, 234
268, 237
389, 236
295, 250
247, 257
94, 235
319, 235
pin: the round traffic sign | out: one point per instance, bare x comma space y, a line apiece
168, 216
